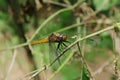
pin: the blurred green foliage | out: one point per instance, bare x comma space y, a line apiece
41, 51
98, 4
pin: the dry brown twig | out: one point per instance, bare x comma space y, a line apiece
11, 64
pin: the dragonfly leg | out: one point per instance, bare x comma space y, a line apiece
64, 44
57, 52
68, 42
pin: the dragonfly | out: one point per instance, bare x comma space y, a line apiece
54, 38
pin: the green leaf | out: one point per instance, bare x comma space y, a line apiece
84, 75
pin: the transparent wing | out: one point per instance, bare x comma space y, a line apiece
53, 52
59, 47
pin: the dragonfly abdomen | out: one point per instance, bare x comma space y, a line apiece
40, 41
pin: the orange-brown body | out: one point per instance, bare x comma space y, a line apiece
54, 37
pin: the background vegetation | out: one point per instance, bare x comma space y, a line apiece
92, 28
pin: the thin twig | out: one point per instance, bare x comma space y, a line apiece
81, 52
67, 2
39, 71
84, 62
55, 3
11, 64
34, 73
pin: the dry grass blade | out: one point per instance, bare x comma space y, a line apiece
11, 64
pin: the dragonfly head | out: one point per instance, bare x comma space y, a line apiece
62, 38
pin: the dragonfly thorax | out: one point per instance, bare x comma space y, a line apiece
56, 37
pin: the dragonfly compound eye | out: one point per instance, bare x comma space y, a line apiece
62, 37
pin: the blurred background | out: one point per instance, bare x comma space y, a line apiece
24, 21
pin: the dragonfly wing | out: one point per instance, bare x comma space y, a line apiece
53, 52
58, 47
61, 48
